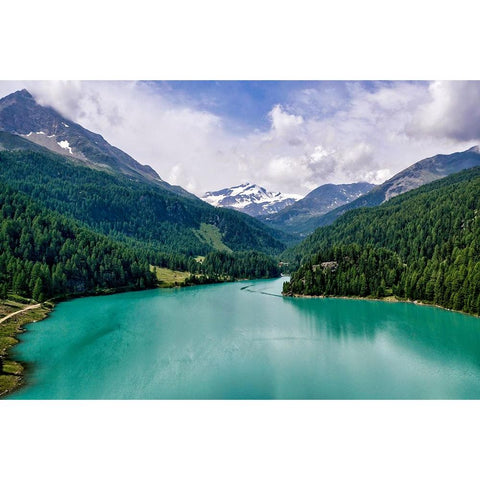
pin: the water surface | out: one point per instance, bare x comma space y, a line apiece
244, 341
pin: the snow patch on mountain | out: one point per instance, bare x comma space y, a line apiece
251, 199
64, 144
37, 133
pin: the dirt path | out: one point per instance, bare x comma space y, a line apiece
30, 307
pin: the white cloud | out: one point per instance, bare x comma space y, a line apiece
181, 143
322, 136
286, 171
453, 111
283, 122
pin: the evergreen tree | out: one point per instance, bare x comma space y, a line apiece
37, 293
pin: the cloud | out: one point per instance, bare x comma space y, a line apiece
339, 132
181, 143
283, 122
324, 100
453, 111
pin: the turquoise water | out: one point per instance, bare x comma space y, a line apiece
241, 341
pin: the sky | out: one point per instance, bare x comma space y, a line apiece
288, 136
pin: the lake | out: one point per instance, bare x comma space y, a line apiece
245, 341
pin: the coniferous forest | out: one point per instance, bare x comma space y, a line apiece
125, 208
46, 255
245, 265
67, 229
423, 245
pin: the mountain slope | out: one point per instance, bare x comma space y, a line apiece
44, 254
416, 175
20, 114
77, 173
250, 199
9, 141
420, 245
140, 211
303, 216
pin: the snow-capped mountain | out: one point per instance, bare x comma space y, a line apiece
251, 199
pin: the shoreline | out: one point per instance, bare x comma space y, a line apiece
13, 370
389, 299
16, 329
14, 379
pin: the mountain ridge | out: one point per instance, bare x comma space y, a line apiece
108, 190
302, 217
416, 175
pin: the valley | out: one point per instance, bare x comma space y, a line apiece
81, 218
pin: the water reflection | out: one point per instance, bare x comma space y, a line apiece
426, 330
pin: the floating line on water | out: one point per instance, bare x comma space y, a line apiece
247, 287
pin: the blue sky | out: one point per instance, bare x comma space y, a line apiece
245, 105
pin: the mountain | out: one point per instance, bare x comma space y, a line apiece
46, 255
303, 216
418, 174
76, 173
20, 114
139, 211
250, 199
420, 245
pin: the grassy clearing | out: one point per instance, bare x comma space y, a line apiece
11, 375
169, 278
173, 278
17, 300
211, 235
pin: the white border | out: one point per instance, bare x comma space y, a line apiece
213, 39
239, 40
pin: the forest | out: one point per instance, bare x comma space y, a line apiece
125, 208
423, 245
45, 255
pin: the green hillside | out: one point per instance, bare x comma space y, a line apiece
422, 245
44, 254
124, 208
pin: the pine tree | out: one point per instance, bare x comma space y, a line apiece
38, 290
